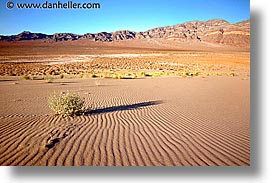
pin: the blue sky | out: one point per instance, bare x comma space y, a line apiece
137, 15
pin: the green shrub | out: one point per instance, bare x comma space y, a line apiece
11, 74
61, 76
115, 76
142, 74
93, 75
148, 75
128, 76
81, 75
232, 74
25, 77
50, 80
156, 74
34, 78
67, 104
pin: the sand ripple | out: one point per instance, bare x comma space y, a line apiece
138, 123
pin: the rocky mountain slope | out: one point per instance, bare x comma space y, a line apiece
212, 31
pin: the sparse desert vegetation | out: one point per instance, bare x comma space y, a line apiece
114, 63
67, 103
150, 106
147, 90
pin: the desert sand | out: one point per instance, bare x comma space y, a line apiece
190, 107
165, 121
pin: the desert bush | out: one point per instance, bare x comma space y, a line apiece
148, 74
67, 104
93, 75
115, 76
156, 74
25, 77
33, 78
232, 74
142, 74
81, 75
61, 76
191, 73
11, 74
50, 80
128, 76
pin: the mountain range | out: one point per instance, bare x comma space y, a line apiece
215, 31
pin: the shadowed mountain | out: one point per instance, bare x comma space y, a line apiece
212, 31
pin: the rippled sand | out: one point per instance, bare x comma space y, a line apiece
168, 121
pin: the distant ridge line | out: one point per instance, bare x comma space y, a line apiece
213, 31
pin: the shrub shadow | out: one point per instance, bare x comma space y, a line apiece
124, 107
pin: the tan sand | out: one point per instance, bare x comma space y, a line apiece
167, 121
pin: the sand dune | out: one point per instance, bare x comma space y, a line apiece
142, 122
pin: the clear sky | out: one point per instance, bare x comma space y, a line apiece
136, 15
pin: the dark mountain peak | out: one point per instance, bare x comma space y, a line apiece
25, 33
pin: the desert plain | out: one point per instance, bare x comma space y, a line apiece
181, 105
